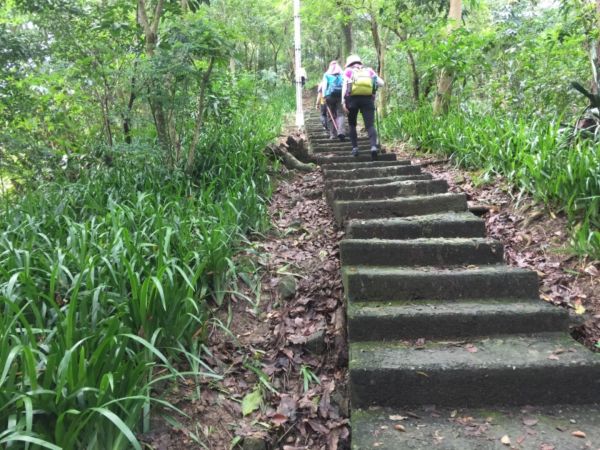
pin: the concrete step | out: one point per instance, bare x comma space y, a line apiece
383, 284
448, 225
322, 138
341, 146
388, 190
542, 427
370, 172
345, 157
346, 152
368, 163
461, 319
344, 210
337, 183
511, 370
420, 252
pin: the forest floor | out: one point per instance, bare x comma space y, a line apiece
282, 357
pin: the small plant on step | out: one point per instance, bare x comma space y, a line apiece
308, 377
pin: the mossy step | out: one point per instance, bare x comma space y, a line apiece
337, 183
320, 138
341, 146
451, 224
368, 163
383, 284
448, 428
388, 190
344, 210
508, 370
331, 158
420, 252
460, 319
370, 172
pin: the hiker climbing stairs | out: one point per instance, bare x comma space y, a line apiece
434, 315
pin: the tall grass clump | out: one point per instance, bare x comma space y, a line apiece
105, 282
529, 151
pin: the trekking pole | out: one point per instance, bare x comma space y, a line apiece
332, 119
377, 126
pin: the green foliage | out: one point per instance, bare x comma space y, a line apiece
530, 152
104, 280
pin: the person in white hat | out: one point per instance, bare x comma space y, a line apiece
358, 94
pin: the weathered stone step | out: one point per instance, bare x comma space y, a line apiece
345, 152
367, 172
319, 138
341, 146
420, 252
451, 224
346, 157
344, 210
382, 284
337, 183
462, 319
512, 370
447, 428
388, 190
368, 163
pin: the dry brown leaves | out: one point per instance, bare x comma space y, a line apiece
271, 342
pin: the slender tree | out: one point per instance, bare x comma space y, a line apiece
446, 77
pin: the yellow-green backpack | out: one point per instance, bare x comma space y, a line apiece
362, 82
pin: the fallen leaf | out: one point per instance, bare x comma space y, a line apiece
505, 439
471, 348
579, 434
279, 419
397, 417
579, 308
399, 427
592, 270
251, 402
553, 357
530, 422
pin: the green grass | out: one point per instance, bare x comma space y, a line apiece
528, 151
105, 282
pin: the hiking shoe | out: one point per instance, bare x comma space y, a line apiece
355, 151
374, 153
342, 137
331, 138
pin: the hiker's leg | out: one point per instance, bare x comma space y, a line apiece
352, 116
324, 116
339, 111
368, 112
332, 125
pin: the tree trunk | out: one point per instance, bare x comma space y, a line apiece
151, 37
346, 28
415, 76
127, 115
446, 78
595, 57
199, 115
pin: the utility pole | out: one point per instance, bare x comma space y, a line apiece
298, 64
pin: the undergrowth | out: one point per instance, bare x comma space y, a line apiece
529, 151
107, 275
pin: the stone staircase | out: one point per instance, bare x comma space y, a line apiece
434, 315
